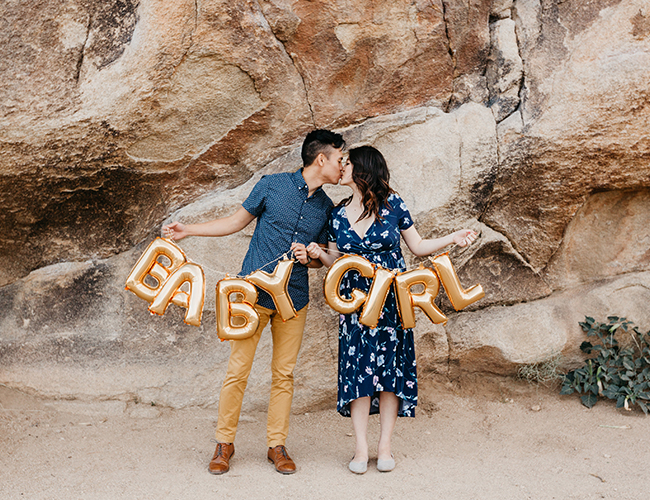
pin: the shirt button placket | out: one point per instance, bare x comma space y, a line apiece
300, 217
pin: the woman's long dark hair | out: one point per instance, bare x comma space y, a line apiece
370, 174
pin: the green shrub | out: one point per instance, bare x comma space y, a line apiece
618, 371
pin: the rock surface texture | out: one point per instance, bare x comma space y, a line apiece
526, 120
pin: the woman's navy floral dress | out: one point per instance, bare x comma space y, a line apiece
372, 360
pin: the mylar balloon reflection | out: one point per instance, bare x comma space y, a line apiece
407, 299
169, 278
227, 310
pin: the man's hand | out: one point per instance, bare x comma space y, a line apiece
300, 252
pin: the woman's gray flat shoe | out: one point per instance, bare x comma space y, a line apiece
386, 465
358, 467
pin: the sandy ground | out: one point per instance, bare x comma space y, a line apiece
501, 441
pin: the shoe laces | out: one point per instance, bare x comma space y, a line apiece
220, 448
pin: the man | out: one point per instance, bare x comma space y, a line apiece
291, 210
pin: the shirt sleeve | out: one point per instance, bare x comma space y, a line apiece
404, 220
323, 237
256, 201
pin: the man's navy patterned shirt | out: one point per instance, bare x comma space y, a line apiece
285, 213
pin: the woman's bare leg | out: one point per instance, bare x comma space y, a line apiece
388, 407
360, 412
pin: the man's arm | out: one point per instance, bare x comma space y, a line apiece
218, 227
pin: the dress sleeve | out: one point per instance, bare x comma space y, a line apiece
404, 220
331, 233
256, 201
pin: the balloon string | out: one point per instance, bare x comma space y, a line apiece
290, 253
333, 251
224, 274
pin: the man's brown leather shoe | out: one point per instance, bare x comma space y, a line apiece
281, 460
220, 462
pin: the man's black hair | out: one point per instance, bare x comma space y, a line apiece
319, 141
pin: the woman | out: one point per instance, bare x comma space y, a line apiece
377, 372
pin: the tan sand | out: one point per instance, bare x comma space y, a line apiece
502, 440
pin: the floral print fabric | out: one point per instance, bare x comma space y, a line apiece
372, 360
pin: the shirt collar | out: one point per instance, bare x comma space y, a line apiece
299, 180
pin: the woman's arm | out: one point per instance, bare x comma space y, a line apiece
218, 227
326, 256
422, 247
302, 256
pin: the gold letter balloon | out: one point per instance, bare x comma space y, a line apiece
166, 268
381, 283
459, 297
332, 283
276, 285
408, 300
227, 310
148, 265
193, 301
168, 280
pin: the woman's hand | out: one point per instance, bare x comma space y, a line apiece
464, 237
314, 250
175, 231
300, 253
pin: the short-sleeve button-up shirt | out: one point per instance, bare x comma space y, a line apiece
285, 213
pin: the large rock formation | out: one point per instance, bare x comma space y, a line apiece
524, 119
119, 112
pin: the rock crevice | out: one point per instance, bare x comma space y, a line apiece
293, 60
82, 51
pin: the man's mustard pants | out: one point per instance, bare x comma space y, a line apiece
287, 337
